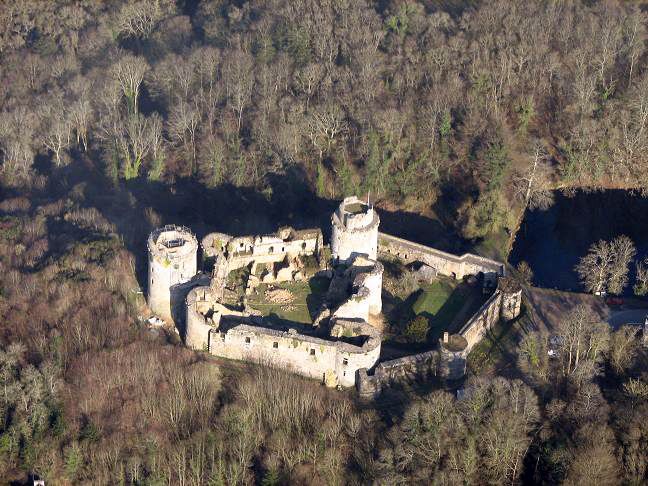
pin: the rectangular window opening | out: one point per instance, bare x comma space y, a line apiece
312, 352
345, 361
275, 345
247, 340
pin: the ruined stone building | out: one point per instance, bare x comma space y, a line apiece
341, 346
172, 254
354, 232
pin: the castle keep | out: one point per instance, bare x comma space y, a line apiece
172, 254
340, 346
354, 232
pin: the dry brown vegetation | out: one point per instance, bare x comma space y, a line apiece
89, 396
470, 109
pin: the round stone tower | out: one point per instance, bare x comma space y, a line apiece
453, 351
173, 252
354, 230
511, 298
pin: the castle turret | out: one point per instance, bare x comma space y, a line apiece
511, 298
453, 352
368, 273
173, 252
354, 230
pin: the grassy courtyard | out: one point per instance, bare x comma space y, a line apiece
306, 299
432, 297
446, 304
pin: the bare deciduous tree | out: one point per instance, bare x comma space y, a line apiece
623, 347
594, 268
158, 148
133, 140
81, 114
138, 19
183, 124
17, 134
581, 337
239, 81
623, 251
57, 129
605, 267
129, 72
307, 78
641, 278
533, 182
325, 126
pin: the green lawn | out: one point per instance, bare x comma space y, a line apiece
440, 302
308, 297
433, 296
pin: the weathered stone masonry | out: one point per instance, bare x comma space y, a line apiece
354, 231
341, 347
448, 361
445, 263
172, 252
331, 361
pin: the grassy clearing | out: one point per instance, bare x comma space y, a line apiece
307, 298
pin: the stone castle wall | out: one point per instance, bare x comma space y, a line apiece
505, 304
483, 320
444, 362
172, 253
445, 263
413, 367
197, 328
241, 336
234, 335
351, 346
321, 359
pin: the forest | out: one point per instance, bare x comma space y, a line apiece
465, 111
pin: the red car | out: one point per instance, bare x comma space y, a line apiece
614, 301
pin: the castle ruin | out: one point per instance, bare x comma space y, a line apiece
340, 347
172, 254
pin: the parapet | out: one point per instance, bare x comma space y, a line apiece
353, 214
172, 267
508, 285
171, 243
